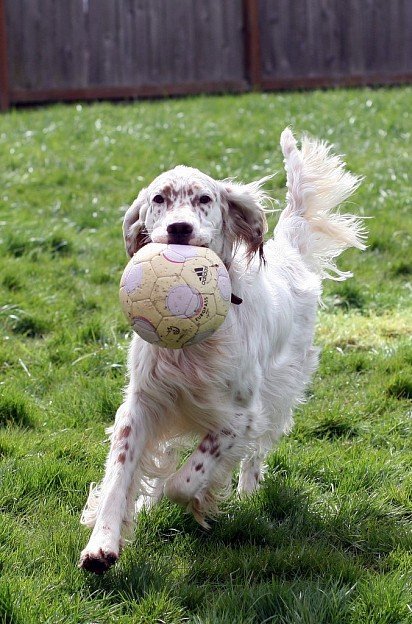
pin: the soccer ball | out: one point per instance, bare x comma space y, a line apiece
175, 295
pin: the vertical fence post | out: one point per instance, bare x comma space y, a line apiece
4, 70
252, 43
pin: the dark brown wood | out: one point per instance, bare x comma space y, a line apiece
124, 43
4, 69
119, 93
315, 82
339, 41
115, 49
252, 42
150, 91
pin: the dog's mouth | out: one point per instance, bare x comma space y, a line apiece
181, 236
187, 242
178, 240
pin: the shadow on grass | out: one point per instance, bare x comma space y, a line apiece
400, 386
8, 614
56, 244
30, 326
15, 410
267, 543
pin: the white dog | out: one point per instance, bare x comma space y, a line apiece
235, 392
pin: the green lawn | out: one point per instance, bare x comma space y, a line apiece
328, 538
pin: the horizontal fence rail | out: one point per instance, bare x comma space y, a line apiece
111, 49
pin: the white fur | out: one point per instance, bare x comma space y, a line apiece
234, 393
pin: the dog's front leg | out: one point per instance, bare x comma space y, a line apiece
106, 508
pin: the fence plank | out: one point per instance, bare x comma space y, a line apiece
4, 68
252, 42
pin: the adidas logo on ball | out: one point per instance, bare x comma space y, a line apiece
201, 272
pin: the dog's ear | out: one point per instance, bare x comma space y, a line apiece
134, 232
244, 217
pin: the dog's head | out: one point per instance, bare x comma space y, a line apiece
185, 206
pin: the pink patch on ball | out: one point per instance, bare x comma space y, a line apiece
145, 329
133, 278
184, 301
179, 253
223, 284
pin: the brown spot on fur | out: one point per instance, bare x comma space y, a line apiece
169, 194
126, 446
122, 458
228, 432
205, 444
209, 444
214, 449
198, 467
249, 424
124, 432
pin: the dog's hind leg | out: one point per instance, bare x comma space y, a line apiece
205, 477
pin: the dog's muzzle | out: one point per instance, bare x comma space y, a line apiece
179, 233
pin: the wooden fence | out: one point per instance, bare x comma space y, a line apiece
90, 49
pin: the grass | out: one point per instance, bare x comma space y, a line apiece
328, 538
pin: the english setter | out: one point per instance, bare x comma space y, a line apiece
235, 392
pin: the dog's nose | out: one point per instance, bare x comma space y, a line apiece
179, 232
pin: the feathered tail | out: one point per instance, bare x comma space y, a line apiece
317, 183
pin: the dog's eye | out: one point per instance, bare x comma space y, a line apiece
158, 199
205, 199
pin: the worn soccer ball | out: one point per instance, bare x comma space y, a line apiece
175, 295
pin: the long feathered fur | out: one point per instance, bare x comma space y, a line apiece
235, 392
317, 183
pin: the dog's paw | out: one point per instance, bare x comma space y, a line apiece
199, 510
98, 562
249, 482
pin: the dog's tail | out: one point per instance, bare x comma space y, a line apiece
317, 183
